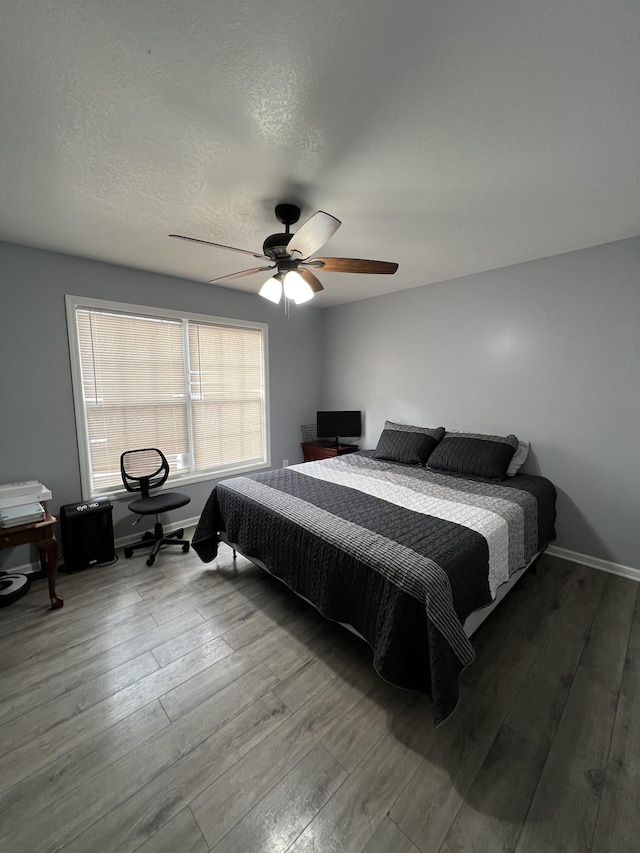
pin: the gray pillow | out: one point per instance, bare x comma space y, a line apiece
474, 454
411, 445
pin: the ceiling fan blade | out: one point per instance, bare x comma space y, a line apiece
233, 275
218, 245
310, 278
356, 265
313, 234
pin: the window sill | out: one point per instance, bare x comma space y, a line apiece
176, 481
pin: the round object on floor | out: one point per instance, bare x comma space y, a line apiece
13, 587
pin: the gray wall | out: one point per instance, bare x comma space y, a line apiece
37, 427
549, 350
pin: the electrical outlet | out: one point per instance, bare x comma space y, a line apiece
285, 463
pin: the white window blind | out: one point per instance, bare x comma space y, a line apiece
192, 386
227, 394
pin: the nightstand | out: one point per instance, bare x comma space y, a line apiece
312, 450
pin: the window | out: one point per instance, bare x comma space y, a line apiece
194, 386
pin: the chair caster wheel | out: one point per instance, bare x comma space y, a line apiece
179, 533
185, 547
147, 536
128, 552
151, 561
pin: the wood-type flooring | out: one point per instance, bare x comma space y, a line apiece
188, 707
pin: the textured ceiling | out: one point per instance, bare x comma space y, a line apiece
451, 137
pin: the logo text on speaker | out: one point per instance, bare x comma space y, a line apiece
82, 507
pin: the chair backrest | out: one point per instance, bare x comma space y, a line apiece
143, 469
309, 432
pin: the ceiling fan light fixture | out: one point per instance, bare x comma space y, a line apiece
272, 289
296, 288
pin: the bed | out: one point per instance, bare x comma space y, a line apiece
402, 554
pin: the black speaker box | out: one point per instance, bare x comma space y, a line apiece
87, 534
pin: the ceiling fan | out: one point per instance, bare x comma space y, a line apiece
291, 255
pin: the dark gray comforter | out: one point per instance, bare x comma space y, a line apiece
401, 553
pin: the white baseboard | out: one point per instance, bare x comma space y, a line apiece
34, 568
564, 554
176, 525
595, 563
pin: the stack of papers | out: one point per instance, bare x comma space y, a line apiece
14, 516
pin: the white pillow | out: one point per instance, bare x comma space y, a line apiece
518, 458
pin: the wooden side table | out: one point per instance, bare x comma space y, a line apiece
41, 533
312, 451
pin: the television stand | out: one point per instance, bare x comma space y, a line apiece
314, 450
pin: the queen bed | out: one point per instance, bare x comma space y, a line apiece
403, 554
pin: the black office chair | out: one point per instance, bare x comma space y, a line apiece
143, 470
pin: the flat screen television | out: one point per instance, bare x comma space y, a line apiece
331, 425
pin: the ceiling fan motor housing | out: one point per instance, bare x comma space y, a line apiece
275, 246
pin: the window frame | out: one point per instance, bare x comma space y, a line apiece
75, 303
